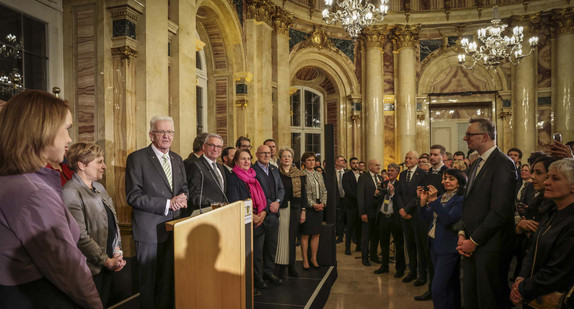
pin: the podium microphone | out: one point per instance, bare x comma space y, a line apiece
200, 189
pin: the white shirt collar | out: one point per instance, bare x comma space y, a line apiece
413, 169
487, 154
158, 152
208, 160
437, 169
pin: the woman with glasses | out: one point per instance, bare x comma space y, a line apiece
316, 201
242, 185
93, 209
292, 212
548, 272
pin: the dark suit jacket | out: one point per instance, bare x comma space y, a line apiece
279, 189
211, 193
488, 204
350, 186
147, 191
445, 240
406, 193
187, 163
367, 202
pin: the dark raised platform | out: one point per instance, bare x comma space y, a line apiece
310, 290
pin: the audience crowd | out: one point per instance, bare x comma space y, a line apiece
434, 215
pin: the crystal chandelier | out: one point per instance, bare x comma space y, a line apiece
494, 47
355, 15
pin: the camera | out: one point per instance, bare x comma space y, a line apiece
557, 137
426, 188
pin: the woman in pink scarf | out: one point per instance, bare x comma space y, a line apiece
242, 185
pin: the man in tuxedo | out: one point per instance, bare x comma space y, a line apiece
405, 197
434, 178
369, 201
156, 189
388, 222
340, 164
268, 176
349, 204
207, 183
487, 216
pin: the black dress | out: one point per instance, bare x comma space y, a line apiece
315, 187
295, 211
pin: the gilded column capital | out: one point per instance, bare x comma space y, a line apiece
563, 20
318, 39
282, 20
531, 23
406, 35
374, 36
124, 52
260, 10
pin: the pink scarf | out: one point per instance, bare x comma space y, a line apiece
259, 199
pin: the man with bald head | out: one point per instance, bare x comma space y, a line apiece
406, 194
268, 177
369, 199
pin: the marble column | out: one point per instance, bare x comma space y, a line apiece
373, 102
354, 140
564, 82
152, 86
182, 74
281, 111
525, 91
258, 41
120, 132
406, 38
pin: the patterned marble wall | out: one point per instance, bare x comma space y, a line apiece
332, 112
544, 127
221, 107
390, 145
388, 68
85, 58
544, 58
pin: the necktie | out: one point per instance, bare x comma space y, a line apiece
167, 170
217, 176
474, 171
386, 204
409, 174
341, 191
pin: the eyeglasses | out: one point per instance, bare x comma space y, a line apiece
468, 135
214, 146
162, 132
246, 146
265, 153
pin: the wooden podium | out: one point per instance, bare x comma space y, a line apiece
212, 258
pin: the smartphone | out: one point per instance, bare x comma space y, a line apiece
557, 137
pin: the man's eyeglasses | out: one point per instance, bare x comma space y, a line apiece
246, 146
214, 146
265, 153
468, 135
162, 132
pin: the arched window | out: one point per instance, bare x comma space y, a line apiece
201, 91
307, 121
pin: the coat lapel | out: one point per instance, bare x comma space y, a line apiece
155, 162
483, 170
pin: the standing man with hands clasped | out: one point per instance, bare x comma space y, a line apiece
156, 188
487, 216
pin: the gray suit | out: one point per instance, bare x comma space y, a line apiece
147, 191
211, 192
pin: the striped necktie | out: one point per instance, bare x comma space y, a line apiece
167, 170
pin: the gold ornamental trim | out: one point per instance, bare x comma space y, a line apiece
563, 21
406, 35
